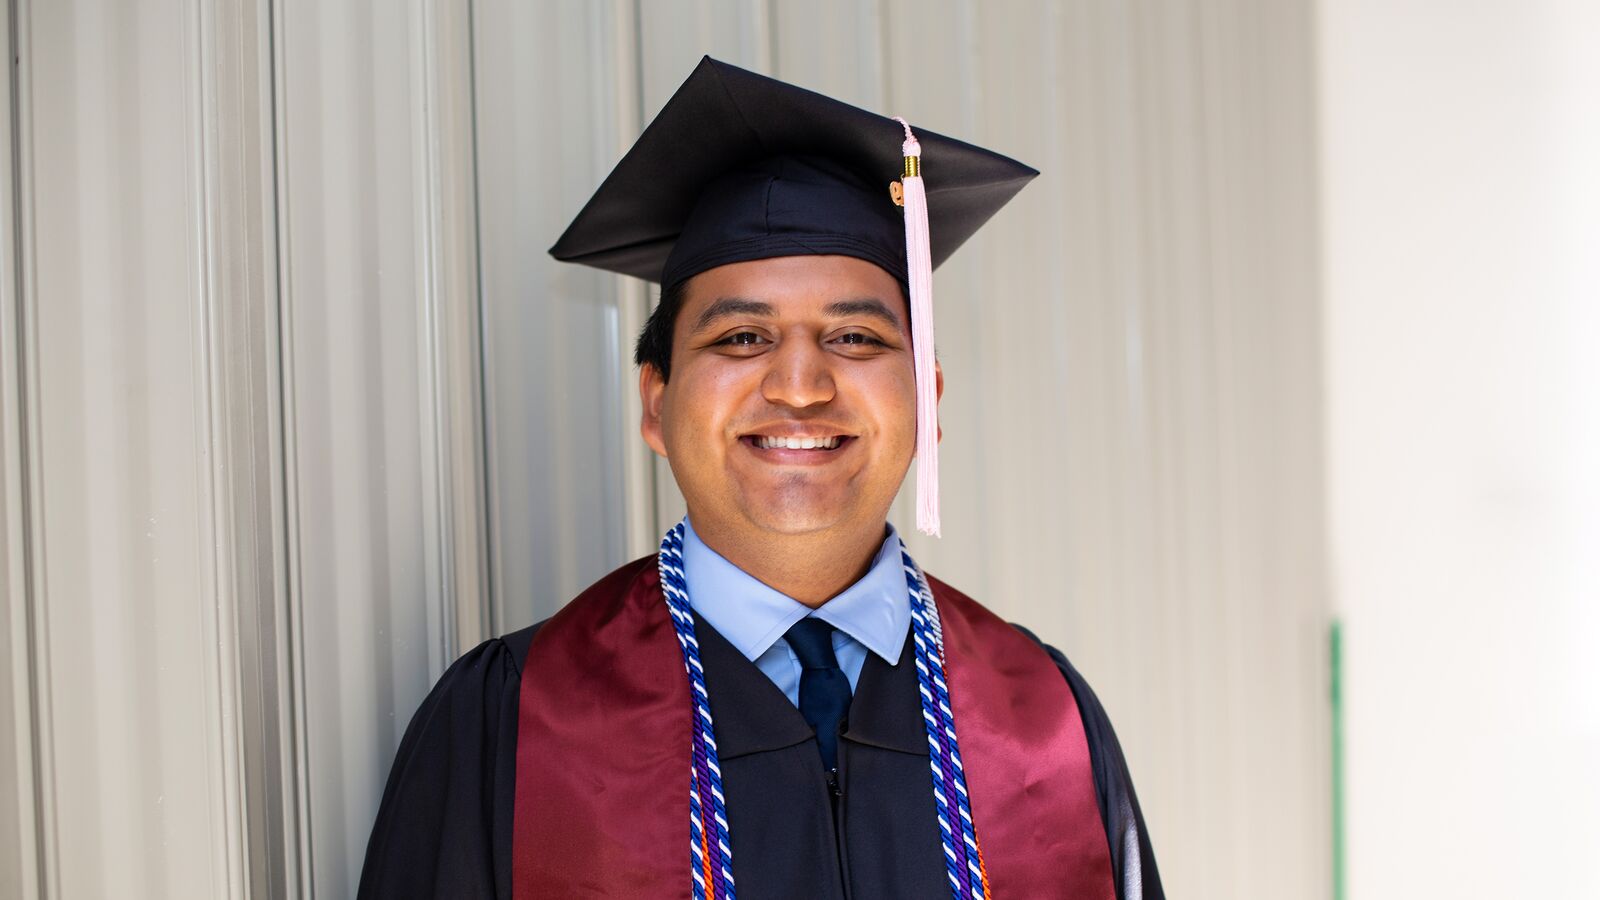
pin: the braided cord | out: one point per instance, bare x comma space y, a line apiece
969, 879
711, 859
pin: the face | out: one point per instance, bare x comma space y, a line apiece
792, 403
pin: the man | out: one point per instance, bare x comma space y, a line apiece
848, 726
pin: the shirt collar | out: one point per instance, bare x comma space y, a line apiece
875, 611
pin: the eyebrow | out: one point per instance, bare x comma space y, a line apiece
741, 306
733, 306
863, 306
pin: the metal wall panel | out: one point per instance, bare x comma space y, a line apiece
120, 452
674, 34
19, 810
128, 637
554, 83
379, 306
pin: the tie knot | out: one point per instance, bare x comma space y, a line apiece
811, 640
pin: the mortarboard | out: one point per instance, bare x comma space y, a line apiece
738, 166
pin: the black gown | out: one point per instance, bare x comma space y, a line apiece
444, 826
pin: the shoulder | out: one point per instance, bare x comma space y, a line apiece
445, 811
472, 699
1089, 706
487, 669
508, 653
516, 643
951, 597
1000, 639
493, 668
1104, 748
1133, 860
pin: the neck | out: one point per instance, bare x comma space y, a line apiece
811, 568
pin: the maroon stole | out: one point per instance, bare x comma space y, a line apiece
602, 804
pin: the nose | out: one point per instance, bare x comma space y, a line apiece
801, 375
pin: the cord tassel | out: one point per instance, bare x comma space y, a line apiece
919, 271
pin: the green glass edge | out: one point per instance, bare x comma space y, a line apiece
1336, 696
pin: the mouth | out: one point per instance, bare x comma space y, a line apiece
797, 449
815, 442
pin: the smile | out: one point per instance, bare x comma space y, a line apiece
822, 442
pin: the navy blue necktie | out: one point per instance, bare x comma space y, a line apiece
824, 689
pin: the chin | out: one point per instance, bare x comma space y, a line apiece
800, 515
795, 523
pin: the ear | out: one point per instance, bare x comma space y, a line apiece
652, 394
938, 388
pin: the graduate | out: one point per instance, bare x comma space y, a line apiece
781, 703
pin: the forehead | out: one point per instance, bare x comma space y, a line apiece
794, 283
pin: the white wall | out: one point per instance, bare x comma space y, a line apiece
1462, 231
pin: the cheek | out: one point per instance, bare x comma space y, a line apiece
705, 399
892, 397
729, 384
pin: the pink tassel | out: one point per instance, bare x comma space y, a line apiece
919, 270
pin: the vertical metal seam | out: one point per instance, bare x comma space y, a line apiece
494, 589
650, 486
248, 417
488, 608
35, 613
424, 47
299, 763
450, 340
771, 18
218, 528
886, 94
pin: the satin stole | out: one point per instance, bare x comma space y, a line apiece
602, 797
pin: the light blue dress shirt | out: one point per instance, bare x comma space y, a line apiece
872, 615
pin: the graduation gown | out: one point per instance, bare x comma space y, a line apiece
444, 828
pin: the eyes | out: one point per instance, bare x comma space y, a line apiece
746, 342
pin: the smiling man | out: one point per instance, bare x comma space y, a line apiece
786, 417
780, 703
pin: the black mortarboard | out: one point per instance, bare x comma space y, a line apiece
738, 166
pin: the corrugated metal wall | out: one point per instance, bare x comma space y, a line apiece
131, 566
296, 407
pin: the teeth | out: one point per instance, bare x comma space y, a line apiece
796, 443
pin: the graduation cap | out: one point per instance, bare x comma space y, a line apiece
738, 166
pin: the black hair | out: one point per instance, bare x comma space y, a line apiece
654, 347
